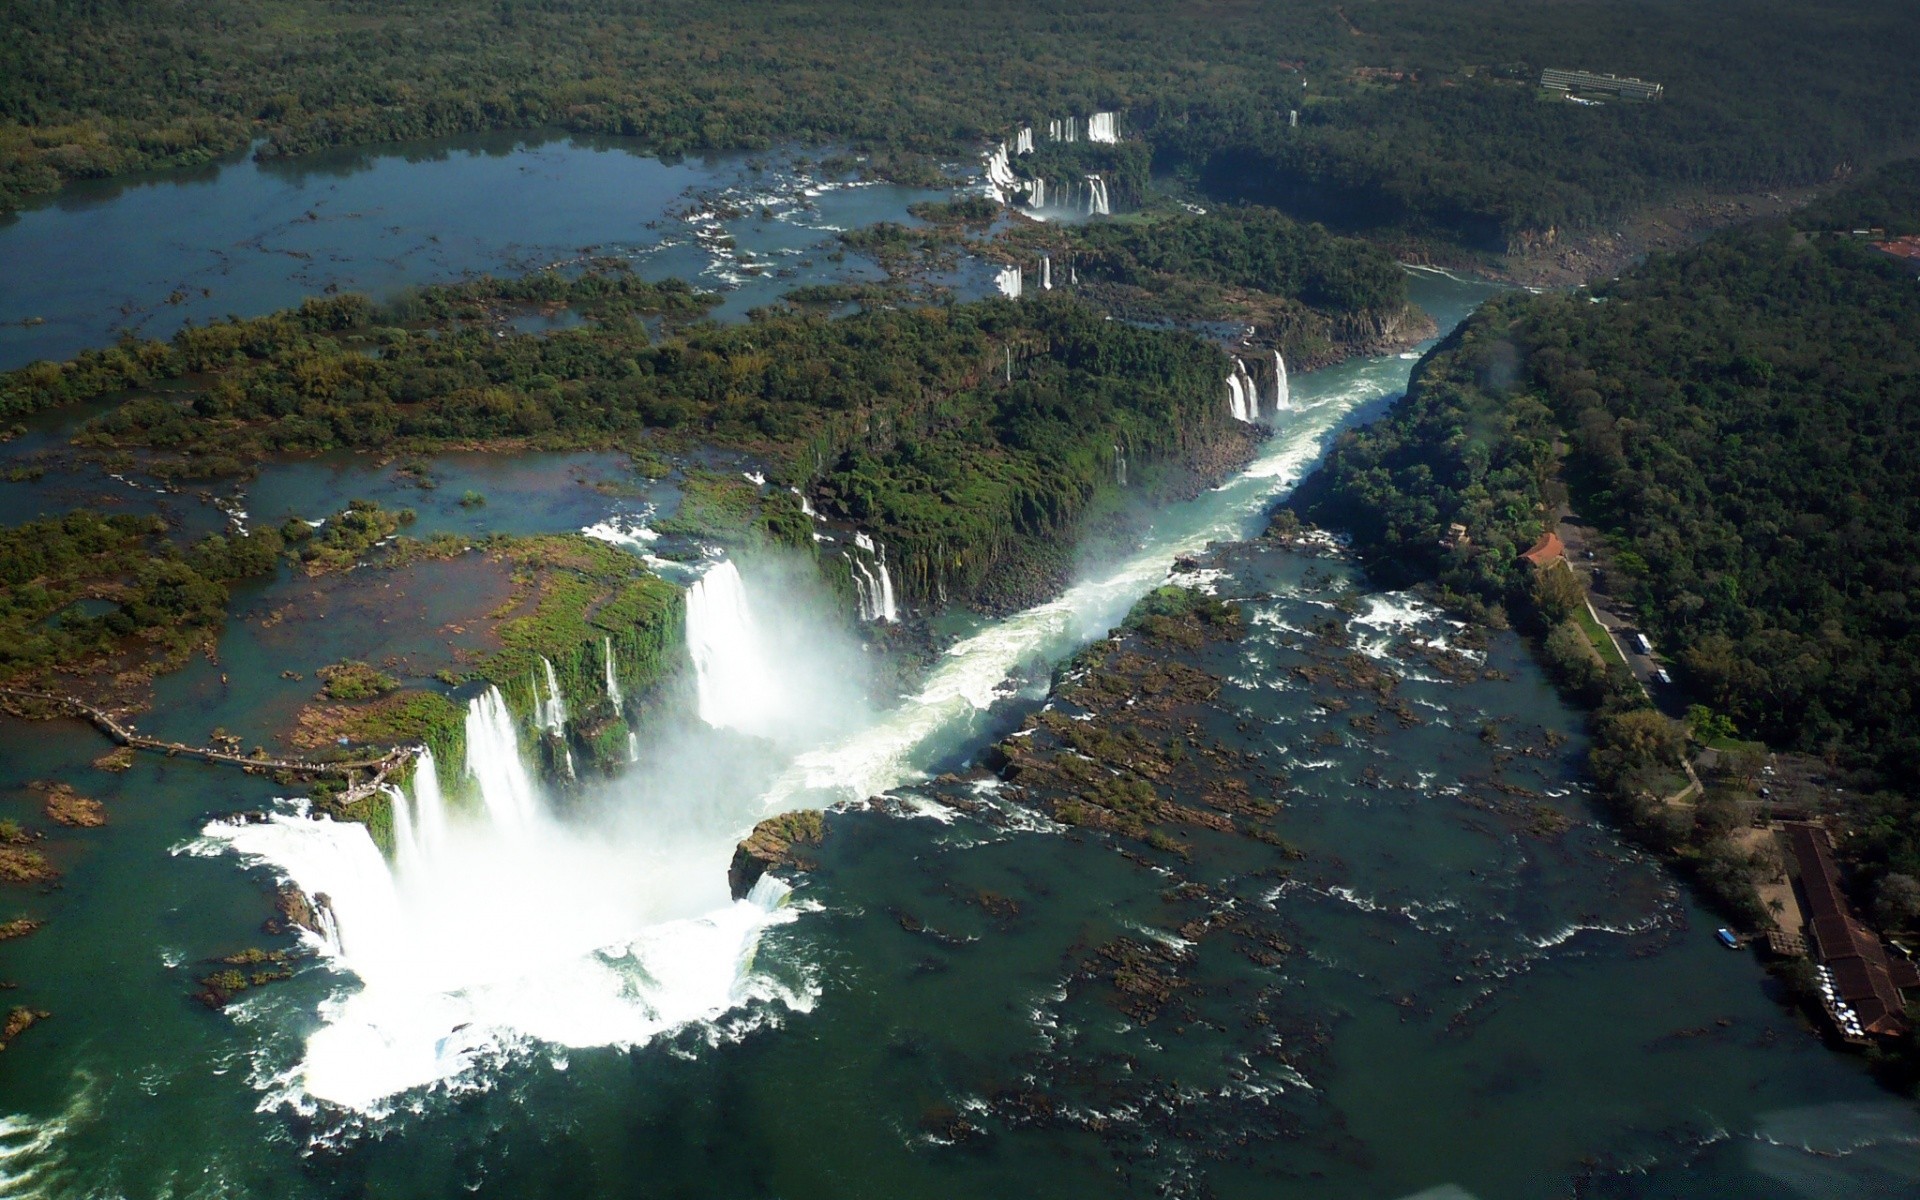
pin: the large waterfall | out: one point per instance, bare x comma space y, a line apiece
1023, 141
1103, 127
1008, 281
1046, 273
724, 642
1282, 390
420, 819
503, 926
493, 762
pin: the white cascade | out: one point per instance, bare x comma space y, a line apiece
1000, 180
1023, 141
1242, 400
429, 807
872, 582
1046, 273
1282, 390
550, 713
1037, 193
1097, 197
865, 590
633, 746
419, 820
1120, 466
613, 682
493, 762
406, 849
1103, 127
728, 662
889, 610
1008, 281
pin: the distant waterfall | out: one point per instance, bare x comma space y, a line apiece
1243, 400
1000, 180
1046, 273
1008, 281
1023, 141
1037, 193
549, 713
730, 667
1120, 466
1282, 390
613, 682
493, 762
872, 582
1103, 127
1097, 205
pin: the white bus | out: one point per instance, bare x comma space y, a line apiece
1641, 643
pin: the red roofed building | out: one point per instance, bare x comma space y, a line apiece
1549, 549
1863, 975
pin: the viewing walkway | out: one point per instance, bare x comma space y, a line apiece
127, 735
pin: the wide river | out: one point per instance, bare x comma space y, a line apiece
573, 1007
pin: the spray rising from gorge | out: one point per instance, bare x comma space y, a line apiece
514, 915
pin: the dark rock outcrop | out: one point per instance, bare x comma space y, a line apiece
774, 845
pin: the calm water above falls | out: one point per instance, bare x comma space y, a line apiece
1488, 1009
250, 237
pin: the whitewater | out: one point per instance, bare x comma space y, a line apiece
504, 924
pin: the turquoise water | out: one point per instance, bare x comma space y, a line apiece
1469, 1007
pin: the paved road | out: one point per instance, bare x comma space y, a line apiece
1587, 554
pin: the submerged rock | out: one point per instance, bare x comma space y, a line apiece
64, 806
771, 846
19, 1021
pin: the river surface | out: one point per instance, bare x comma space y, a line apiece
248, 237
564, 1000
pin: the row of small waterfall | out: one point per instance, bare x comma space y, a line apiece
1087, 196
1244, 395
1011, 279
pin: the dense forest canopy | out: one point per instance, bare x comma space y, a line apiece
961, 434
1744, 420
1413, 114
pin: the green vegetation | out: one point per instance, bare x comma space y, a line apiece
157, 601
355, 680
1461, 144
903, 419
1740, 420
1312, 288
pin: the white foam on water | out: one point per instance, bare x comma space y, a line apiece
976, 670
505, 938
502, 928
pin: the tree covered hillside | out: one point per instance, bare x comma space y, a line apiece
1744, 419
1414, 115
